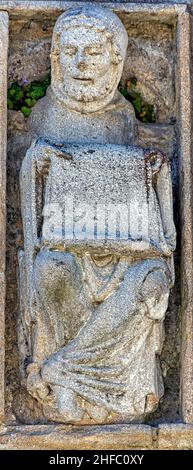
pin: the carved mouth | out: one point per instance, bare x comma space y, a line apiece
84, 80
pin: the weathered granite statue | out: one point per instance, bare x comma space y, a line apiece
97, 263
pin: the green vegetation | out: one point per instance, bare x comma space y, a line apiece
144, 111
23, 97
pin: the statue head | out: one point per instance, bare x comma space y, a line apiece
88, 51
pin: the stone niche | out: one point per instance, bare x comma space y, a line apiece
157, 57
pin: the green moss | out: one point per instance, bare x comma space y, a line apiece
22, 97
144, 111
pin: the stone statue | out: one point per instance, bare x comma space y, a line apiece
97, 263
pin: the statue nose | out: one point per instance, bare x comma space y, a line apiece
81, 65
80, 61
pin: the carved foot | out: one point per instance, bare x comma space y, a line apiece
35, 384
67, 405
151, 403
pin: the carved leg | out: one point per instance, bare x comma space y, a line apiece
62, 308
113, 358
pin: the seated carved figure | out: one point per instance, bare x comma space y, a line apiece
97, 263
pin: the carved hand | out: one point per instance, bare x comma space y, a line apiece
155, 294
35, 385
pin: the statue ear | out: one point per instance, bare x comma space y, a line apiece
56, 47
117, 59
116, 56
55, 58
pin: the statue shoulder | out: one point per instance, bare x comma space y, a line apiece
38, 115
124, 104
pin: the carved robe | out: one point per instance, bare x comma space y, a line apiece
95, 309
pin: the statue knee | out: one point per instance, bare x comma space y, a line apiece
53, 269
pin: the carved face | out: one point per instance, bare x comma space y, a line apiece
86, 60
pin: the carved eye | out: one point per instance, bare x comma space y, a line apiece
94, 51
70, 50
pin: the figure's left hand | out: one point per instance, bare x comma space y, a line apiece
155, 294
35, 385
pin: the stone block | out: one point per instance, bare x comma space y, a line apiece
185, 171
3, 129
119, 437
175, 437
2, 344
3, 148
